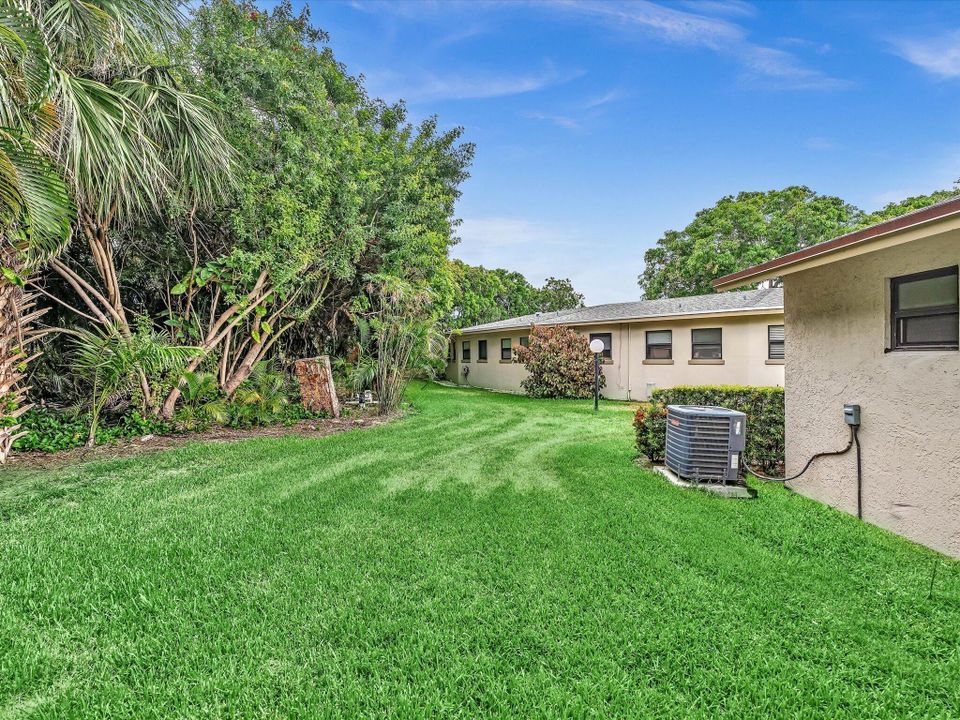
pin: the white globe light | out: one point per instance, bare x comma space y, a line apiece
596, 346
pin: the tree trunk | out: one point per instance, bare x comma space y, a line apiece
243, 369
15, 317
98, 238
219, 329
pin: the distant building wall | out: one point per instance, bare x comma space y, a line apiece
838, 330
629, 376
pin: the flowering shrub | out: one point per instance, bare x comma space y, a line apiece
559, 362
763, 407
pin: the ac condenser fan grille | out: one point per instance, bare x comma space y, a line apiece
704, 443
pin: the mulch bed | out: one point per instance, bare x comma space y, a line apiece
35, 460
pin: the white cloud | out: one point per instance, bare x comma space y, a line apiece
819, 143
673, 25
608, 97
426, 85
459, 36
786, 69
777, 67
938, 55
721, 7
558, 120
579, 115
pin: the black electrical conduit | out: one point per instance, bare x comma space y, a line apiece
854, 440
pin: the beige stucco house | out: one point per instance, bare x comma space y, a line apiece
731, 338
872, 319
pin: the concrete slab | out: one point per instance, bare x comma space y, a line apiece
729, 491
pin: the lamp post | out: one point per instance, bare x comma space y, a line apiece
596, 347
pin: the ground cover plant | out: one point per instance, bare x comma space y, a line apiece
485, 555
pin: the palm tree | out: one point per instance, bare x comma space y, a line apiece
202, 401
86, 115
112, 363
35, 207
403, 337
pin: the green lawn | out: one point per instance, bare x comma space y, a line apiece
486, 555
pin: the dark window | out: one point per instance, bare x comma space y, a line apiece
466, 351
452, 352
775, 342
505, 349
607, 339
924, 311
481, 350
707, 344
525, 341
659, 344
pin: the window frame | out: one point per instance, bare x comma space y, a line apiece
649, 345
452, 352
694, 344
783, 352
465, 351
508, 348
896, 314
607, 354
481, 350
524, 338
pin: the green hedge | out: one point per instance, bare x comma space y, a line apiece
763, 407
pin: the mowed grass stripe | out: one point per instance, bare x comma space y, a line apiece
486, 555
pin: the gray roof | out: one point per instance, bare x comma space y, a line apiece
744, 301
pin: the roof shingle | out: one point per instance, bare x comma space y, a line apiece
762, 299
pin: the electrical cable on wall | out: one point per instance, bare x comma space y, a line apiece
852, 417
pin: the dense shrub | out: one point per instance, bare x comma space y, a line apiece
266, 398
559, 362
763, 407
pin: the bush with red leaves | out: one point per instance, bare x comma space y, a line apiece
559, 362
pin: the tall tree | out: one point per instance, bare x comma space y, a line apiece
484, 295
558, 294
125, 134
740, 231
332, 187
902, 207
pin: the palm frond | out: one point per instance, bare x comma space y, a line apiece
109, 159
112, 363
25, 71
183, 126
34, 197
98, 31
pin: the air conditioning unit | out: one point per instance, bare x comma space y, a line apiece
704, 443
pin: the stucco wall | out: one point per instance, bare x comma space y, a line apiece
837, 322
492, 374
744, 355
628, 377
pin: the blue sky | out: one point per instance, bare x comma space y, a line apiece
599, 126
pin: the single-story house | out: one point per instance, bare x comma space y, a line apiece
872, 319
731, 338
